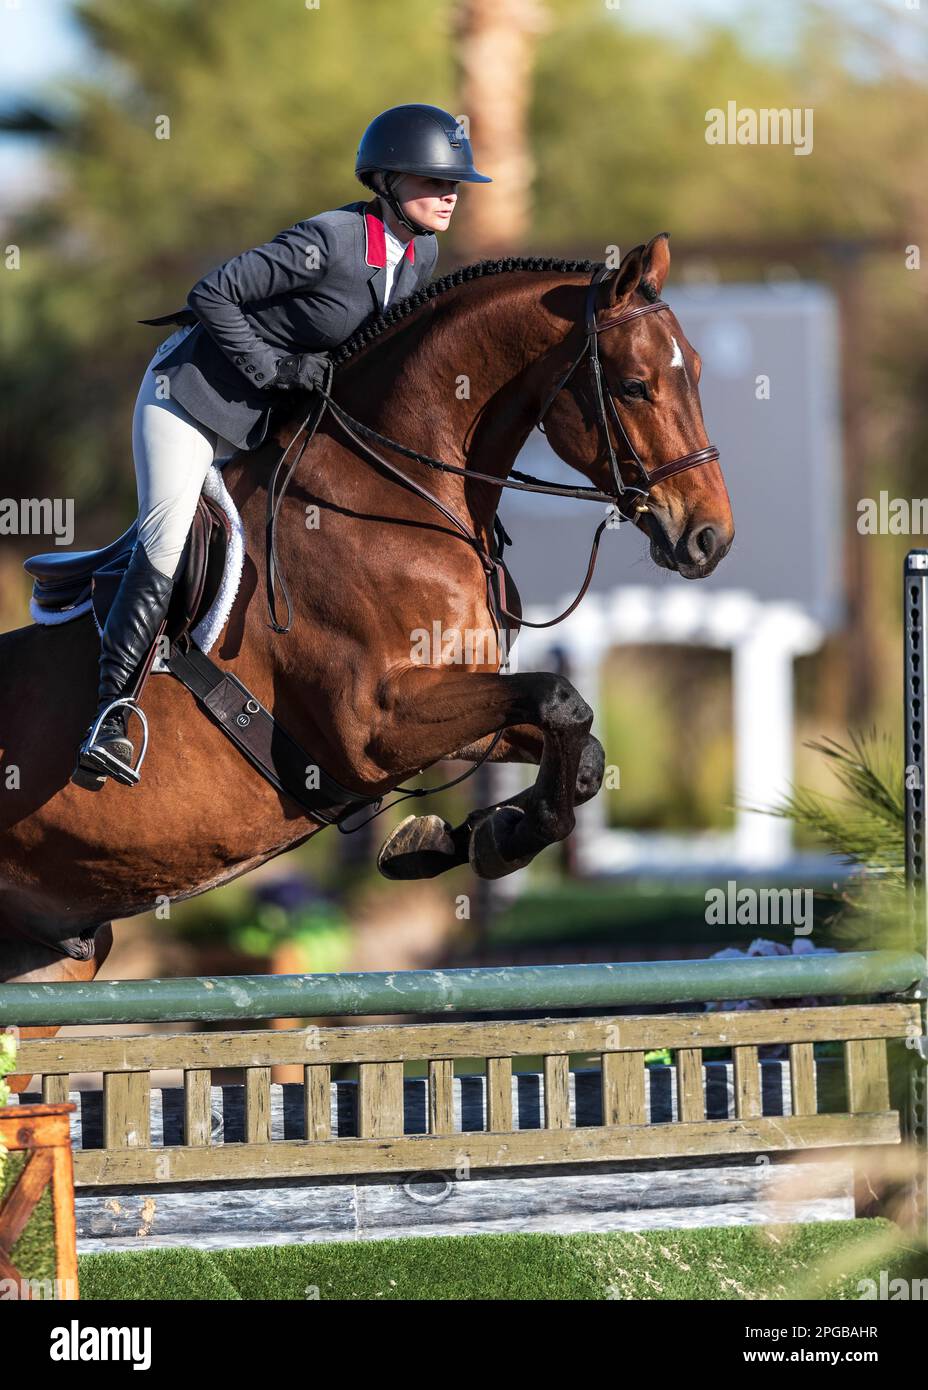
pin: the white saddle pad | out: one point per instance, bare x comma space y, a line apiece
207, 631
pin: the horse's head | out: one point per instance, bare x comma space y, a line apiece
650, 385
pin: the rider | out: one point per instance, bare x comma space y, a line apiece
260, 323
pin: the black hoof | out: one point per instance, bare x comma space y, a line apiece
489, 840
591, 770
419, 847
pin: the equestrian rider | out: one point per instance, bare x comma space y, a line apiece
259, 324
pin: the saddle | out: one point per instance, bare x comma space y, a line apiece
64, 581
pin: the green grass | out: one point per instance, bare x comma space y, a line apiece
818, 1260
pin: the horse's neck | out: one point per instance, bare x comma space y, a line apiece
451, 399
455, 401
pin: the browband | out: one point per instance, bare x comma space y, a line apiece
626, 315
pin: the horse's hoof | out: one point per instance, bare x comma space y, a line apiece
591, 770
489, 839
419, 847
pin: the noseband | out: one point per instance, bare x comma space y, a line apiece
644, 478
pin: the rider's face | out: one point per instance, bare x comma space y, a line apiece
428, 202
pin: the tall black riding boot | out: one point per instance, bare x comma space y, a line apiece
131, 626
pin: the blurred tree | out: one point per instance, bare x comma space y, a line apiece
619, 122
200, 130
496, 42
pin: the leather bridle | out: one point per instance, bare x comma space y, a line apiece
603, 399
363, 436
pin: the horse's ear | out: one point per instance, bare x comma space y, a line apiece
656, 263
622, 285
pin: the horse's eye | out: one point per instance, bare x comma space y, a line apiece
635, 389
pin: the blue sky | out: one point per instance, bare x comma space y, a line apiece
40, 42
40, 39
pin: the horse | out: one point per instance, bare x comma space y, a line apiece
460, 372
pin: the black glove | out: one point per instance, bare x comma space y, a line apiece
301, 372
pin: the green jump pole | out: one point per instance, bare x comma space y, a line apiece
526, 988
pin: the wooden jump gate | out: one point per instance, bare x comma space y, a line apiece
589, 1137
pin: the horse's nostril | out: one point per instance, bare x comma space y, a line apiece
705, 540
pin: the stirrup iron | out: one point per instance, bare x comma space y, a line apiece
107, 762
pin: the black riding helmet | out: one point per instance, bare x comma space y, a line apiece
414, 139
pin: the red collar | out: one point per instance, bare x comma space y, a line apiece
375, 243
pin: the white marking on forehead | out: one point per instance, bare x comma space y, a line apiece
677, 359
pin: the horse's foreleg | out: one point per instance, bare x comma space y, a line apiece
546, 721
525, 745
522, 744
425, 846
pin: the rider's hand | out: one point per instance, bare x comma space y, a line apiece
301, 372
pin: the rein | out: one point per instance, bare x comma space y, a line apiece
275, 501
364, 437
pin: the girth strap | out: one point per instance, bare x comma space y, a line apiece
261, 738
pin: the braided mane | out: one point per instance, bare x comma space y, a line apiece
365, 335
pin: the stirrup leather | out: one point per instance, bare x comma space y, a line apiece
101, 759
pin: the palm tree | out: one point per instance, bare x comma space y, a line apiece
496, 42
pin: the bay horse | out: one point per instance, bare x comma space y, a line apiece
461, 371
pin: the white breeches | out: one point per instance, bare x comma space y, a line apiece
172, 453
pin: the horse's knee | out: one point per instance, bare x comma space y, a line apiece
562, 708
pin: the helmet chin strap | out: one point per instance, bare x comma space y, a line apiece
388, 182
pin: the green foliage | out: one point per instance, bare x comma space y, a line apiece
7, 1063
635, 102
321, 935
657, 706
263, 106
865, 827
265, 111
